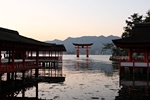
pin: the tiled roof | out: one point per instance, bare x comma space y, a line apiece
12, 36
141, 36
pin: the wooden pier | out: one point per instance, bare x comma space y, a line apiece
22, 57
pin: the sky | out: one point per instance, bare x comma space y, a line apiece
59, 19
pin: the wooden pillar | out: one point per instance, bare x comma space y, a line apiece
31, 54
49, 53
146, 56
130, 54
8, 76
87, 51
9, 57
23, 76
51, 70
13, 57
55, 53
15, 76
37, 61
24, 57
12, 78
78, 51
37, 57
0, 82
37, 90
23, 92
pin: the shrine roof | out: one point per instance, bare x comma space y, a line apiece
85, 44
12, 36
140, 37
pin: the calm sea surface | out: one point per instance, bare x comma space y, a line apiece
86, 79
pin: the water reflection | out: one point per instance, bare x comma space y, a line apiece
11, 90
82, 64
135, 84
90, 78
93, 78
101, 65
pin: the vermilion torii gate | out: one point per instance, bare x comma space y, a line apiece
78, 46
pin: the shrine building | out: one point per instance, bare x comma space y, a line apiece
138, 46
22, 54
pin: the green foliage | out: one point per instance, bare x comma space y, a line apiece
147, 18
132, 20
107, 46
115, 51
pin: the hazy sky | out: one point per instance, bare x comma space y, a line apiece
59, 19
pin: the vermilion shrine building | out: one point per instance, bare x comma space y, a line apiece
21, 54
135, 71
138, 46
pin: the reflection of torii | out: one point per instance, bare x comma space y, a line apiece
78, 46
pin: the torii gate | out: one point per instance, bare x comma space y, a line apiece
78, 46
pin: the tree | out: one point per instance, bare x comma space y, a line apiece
132, 20
147, 18
107, 46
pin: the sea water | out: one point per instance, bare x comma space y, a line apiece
89, 78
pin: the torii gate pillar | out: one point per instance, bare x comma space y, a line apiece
78, 46
87, 51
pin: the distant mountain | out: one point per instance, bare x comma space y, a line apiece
97, 41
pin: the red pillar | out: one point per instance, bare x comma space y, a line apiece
13, 57
87, 51
37, 61
130, 54
24, 57
146, 56
31, 54
37, 57
78, 51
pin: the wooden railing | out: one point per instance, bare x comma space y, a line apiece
46, 58
137, 64
30, 63
18, 66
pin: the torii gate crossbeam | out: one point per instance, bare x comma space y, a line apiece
78, 46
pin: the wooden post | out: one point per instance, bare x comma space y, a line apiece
24, 57
8, 76
23, 92
78, 51
36, 90
87, 51
37, 61
12, 78
130, 54
0, 83
23, 76
146, 56
13, 57
31, 54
